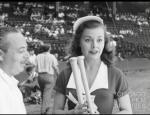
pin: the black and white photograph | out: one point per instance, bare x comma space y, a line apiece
83, 57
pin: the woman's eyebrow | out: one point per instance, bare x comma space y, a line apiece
87, 36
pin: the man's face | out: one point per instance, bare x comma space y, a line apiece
16, 56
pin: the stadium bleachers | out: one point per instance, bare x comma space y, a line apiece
134, 43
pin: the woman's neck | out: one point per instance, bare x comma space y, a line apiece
92, 64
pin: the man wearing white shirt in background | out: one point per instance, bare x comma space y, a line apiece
32, 56
13, 58
47, 69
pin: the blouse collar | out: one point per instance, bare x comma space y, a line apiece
101, 80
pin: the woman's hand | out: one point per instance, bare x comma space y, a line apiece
81, 109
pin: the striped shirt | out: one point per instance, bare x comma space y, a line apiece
46, 62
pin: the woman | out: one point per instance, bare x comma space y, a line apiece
105, 81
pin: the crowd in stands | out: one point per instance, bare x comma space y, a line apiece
57, 27
139, 20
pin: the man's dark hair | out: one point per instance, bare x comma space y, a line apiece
45, 48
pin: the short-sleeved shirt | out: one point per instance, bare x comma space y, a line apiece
104, 95
46, 62
32, 59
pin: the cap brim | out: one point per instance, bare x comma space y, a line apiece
84, 19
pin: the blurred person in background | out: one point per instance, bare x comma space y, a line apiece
30, 86
32, 56
47, 68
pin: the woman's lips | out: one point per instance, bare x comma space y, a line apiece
93, 52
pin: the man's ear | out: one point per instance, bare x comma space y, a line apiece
1, 55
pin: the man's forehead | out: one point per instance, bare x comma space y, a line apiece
14, 34
16, 39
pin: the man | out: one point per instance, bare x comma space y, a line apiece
13, 58
47, 68
32, 56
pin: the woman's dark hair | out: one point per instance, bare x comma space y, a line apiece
75, 50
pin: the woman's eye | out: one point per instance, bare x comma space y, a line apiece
87, 40
99, 40
21, 51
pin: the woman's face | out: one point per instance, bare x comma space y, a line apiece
92, 42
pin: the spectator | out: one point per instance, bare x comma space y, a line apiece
47, 68
30, 86
32, 56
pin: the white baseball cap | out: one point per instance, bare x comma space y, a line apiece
84, 19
